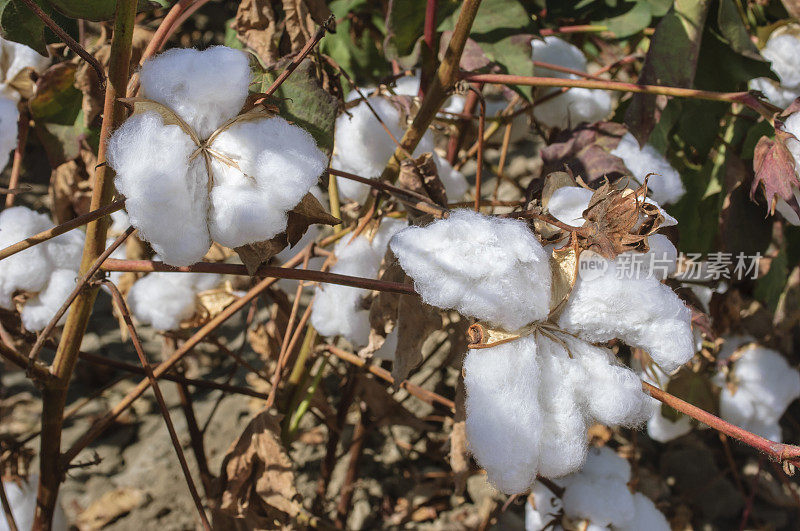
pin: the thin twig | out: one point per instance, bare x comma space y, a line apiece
69, 41
324, 28
16, 165
60, 229
80, 285
162, 404
481, 129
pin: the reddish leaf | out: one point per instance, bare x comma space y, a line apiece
775, 173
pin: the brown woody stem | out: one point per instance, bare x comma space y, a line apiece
16, 166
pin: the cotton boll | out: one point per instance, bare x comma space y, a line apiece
781, 50
604, 462
775, 93
504, 425
166, 194
22, 500
568, 203
205, 88
159, 301
27, 270
9, 116
16, 57
638, 310
765, 386
646, 516
490, 268
38, 310
559, 52
339, 310
573, 107
548, 508
276, 164
665, 186
119, 222
660, 261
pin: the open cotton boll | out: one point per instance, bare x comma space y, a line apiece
9, 116
276, 164
665, 185
205, 88
363, 147
27, 270
409, 86
781, 50
490, 268
765, 386
22, 500
504, 424
166, 195
599, 492
339, 310
568, 203
645, 516
548, 508
559, 52
65, 251
573, 107
160, 301
38, 310
638, 310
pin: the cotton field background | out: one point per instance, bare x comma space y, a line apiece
408, 264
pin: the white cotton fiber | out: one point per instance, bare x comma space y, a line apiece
574, 106
205, 88
30, 269
339, 310
659, 427
272, 165
38, 310
665, 185
548, 508
490, 268
22, 499
166, 194
792, 125
646, 516
363, 147
765, 385
14, 58
504, 424
9, 116
640, 311
163, 299
782, 51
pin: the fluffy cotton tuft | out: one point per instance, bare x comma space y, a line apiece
259, 168
276, 165
205, 88
163, 299
576, 105
490, 268
765, 385
47, 270
363, 147
166, 195
22, 500
659, 427
639, 310
781, 50
339, 310
548, 508
665, 185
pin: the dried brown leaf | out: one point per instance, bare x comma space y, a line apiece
416, 322
421, 176
109, 507
257, 27
71, 187
256, 487
302, 19
564, 269
586, 151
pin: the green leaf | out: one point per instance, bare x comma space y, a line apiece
671, 60
302, 100
19, 24
631, 22
733, 29
56, 110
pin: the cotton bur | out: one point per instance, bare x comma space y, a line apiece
215, 176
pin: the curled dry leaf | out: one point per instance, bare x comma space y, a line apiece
256, 487
775, 173
209, 304
71, 187
421, 176
586, 150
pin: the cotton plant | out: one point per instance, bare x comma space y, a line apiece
194, 170
340, 310
164, 300
46, 272
757, 385
21, 496
574, 106
535, 382
781, 49
595, 498
16, 61
363, 147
